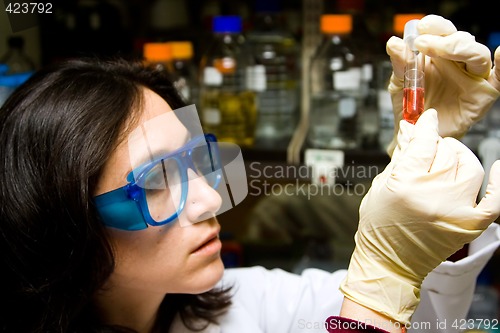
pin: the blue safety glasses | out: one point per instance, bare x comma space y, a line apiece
156, 192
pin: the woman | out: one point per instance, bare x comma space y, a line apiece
80, 135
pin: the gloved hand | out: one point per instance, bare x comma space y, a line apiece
459, 80
418, 211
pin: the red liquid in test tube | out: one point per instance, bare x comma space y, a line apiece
414, 76
413, 104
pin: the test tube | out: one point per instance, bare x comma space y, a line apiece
414, 77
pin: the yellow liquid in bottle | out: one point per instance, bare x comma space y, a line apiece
231, 116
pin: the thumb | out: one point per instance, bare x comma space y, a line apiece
489, 206
422, 147
405, 133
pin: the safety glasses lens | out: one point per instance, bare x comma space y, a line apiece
162, 188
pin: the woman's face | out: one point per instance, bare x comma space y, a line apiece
168, 258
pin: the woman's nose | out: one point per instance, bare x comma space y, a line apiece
202, 200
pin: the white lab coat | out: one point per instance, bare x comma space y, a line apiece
275, 301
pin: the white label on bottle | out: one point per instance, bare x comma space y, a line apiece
211, 116
336, 64
256, 78
324, 164
212, 76
347, 107
384, 101
347, 80
367, 72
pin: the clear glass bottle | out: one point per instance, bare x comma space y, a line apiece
184, 70
15, 58
335, 87
227, 95
369, 50
278, 98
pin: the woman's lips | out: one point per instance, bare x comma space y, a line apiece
210, 247
210, 243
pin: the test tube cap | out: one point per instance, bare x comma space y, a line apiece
400, 20
410, 33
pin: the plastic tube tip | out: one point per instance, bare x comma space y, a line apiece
410, 33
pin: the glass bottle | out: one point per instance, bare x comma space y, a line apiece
227, 93
278, 98
369, 50
15, 67
335, 87
15, 58
184, 70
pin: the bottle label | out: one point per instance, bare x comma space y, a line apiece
211, 116
347, 80
256, 78
212, 76
336, 64
367, 72
347, 107
384, 101
324, 164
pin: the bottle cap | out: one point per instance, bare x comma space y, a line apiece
231, 24
181, 50
401, 19
493, 40
157, 52
336, 23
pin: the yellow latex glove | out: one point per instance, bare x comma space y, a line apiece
418, 211
459, 80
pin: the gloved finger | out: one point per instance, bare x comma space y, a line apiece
445, 164
494, 78
435, 25
461, 47
488, 209
395, 48
405, 133
422, 147
468, 169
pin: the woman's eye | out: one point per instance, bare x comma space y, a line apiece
156, 178
164, 174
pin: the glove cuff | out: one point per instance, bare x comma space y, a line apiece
381, 290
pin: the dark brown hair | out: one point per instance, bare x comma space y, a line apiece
56, 132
